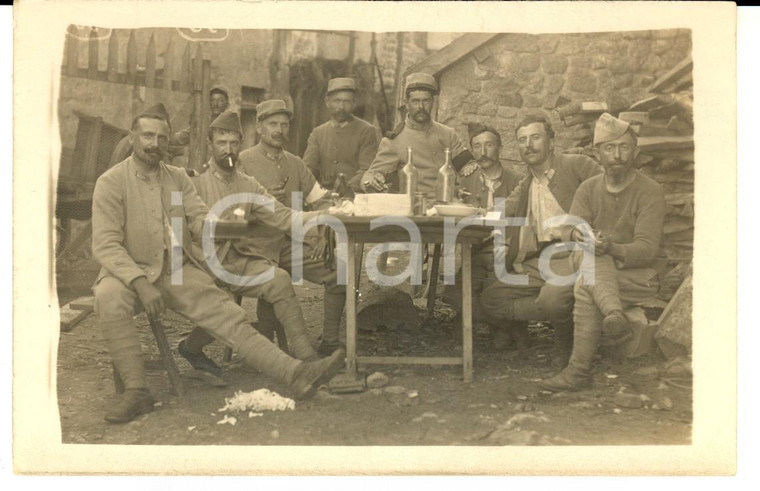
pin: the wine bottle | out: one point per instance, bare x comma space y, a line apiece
408, 177
446, 180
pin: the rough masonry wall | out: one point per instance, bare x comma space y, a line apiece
518, 74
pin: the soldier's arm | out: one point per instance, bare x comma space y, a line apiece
108, 221
385, 162
266, 209
311, 155
647, 234
195, 209
367, 151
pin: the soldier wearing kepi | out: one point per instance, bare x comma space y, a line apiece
148, 261
243, 256
625, 210
427, 138
282, 174
343, 145
546, 192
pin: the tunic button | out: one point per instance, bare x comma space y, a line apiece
335, 162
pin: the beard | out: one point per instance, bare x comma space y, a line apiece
486, 162
617, 173
227, 162
421, 116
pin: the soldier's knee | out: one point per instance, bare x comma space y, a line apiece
113, 299
555, 300
280, 287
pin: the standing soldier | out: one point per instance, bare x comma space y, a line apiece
283, 174
343, 145
426, 137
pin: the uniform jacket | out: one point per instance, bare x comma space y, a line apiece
570, 170
334, 149
122, 241
475, 185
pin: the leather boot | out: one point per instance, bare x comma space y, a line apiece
334, 303
310, 375
132, 403
563, 344
501, 336
124, 347
289, 314
521, 335
567, 379
616, 328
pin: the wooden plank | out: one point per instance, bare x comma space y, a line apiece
150, 63
410, 360
166, 355
83, 303
185, 74
113, 57
70, 318
433, 280
649, 143
351, 308
168, 65
205, 109
72, 52
81, 239
131, 58
672, 77
92, 56
467, 312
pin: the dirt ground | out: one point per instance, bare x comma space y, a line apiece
428, 405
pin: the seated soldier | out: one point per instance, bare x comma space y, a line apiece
547, 192
483, 181
143, 214
626, 209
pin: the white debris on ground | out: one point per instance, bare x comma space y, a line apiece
251, 414
258, 400
227, 420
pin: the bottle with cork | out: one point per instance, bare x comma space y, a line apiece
408, 177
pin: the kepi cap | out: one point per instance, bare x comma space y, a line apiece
421, 81
337, 84
609, 128
229, 121
220, 88
272, 107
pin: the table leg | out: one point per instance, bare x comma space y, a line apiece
467, 311
359, 258
433, 280
351, 308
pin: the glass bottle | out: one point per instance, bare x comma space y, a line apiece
446, 180
408, 177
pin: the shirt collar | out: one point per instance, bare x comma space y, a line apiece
417, 126
142, 176
548, 173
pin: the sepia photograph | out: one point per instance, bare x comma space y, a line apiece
381, 236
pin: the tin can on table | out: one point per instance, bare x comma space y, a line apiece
419, 206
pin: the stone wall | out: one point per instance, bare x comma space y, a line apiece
517, 74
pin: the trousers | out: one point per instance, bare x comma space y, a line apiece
196, 298
612, 289
315, 271
277, 293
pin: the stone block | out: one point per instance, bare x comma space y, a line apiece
620, 65
550, 101
553, 83
606, 46
511, 100
481, 54
665, 33
639, 48
636, 34
671, 59
599, 62
534, 85
531, 100
529, 62
506, 112
555, 64
570, 45
646, 80
501, 85
660, 46
468, 108
622, 80
522, 43
482, 73
488, 109
581, 81
581, 62
548, 43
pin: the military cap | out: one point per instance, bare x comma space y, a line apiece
272, 107
229, 121
220, 88
609, 128
158, 111
337, 84
421, 81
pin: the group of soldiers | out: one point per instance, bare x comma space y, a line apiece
148, 222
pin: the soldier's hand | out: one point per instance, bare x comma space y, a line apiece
376, 182
278, 194
346, 208
603, 244
150, 297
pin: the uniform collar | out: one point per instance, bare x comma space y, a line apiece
417, 126
335, 124
549, 172
270, 155
219, 174
141, 175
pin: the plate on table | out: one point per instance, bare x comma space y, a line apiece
456, 210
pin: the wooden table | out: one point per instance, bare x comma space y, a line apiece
431, 232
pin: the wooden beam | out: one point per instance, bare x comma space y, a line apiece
168, 65
113, 57
150, 63
185, 74
72, 52
674, 77
92, 55
131, 58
